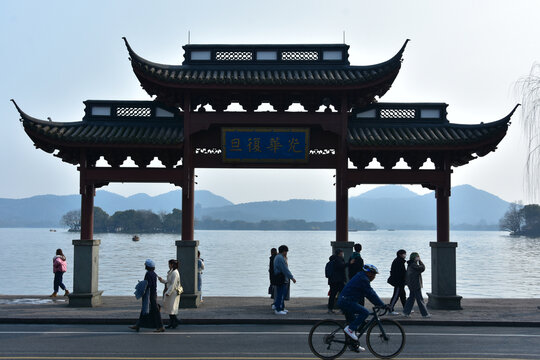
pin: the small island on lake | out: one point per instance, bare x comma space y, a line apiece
146, 221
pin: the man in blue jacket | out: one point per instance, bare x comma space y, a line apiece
357, 288
282, 277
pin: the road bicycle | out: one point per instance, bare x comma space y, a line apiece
385, 338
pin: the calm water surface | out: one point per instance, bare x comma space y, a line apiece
489, 264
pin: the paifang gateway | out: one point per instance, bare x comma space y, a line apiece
187, 126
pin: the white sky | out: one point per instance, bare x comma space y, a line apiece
56, 54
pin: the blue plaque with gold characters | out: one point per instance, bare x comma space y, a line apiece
265, 145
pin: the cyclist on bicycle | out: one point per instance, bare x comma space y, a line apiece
357, 288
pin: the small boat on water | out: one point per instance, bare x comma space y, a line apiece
135, 238
52, 230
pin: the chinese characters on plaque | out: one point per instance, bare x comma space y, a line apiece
265, 145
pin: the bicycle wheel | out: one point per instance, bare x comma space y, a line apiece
327, 339
389, 344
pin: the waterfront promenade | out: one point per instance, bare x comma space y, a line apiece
255, 310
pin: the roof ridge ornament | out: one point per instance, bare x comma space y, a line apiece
26, 117
21, 113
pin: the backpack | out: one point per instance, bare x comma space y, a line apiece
329, 269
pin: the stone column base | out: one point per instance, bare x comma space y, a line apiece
346, 246
439, 302
443, 277
186, 253
85, 299
190, 300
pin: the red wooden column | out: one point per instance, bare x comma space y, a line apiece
86, 249
186, 249
87, 211
442, 194
342, 189
443, 253
188, 204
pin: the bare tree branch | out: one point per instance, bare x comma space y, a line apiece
528, 89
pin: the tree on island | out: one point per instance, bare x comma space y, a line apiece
145, 221
531, 215
522, 220
72, 219
512, 219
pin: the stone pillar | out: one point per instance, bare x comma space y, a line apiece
346, 246
443, 277
186, 253
85, 274
86, 251
443, 257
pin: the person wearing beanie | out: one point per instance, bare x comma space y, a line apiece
415, 268
149, 316
397, 280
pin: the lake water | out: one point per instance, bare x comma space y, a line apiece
489, 264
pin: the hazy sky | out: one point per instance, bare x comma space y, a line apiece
56, 54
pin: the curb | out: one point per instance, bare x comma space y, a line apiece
94, 321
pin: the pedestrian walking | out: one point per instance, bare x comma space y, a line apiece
283, 277
397, 280
415, 268
335, 272
272, 287
149, 316
200, 268
59, 268
171, 293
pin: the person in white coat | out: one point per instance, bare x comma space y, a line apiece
171, 293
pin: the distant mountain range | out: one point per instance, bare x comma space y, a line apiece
389, 207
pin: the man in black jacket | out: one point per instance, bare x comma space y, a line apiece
397, 280
337, 278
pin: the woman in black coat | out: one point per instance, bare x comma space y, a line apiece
150, 316
397, 280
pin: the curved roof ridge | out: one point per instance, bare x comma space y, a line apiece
134, 56
502, 121
26, 117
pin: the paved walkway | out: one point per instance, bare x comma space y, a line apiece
253, 310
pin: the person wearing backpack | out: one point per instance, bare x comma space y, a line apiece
335, 272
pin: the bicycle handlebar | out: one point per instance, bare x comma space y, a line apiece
381, 310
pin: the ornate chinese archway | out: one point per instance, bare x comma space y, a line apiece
176, 127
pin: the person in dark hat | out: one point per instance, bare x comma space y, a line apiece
150, 316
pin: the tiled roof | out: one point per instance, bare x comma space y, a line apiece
380, 128
108, 133
361, 134
417, 125
131, 131
288, 74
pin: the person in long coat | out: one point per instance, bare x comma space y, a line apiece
415, 268
337, 278
149, 316
171, 295
397, 277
